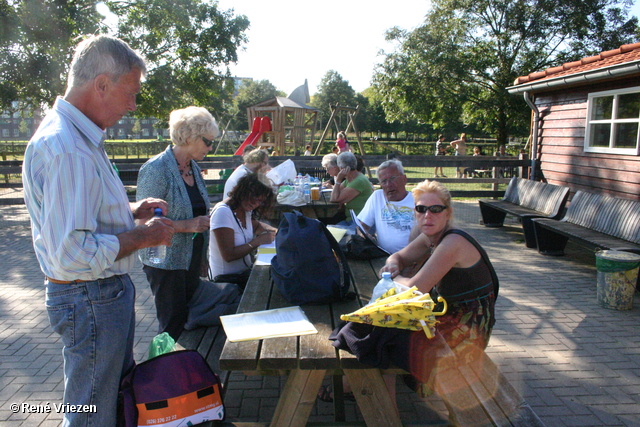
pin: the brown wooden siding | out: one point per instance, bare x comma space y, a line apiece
563, 160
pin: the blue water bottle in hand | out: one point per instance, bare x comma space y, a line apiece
157, 254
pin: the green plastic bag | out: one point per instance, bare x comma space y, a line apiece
161, 344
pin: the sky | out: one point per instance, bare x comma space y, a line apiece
294, 40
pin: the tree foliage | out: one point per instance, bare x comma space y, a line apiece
187, 44
35, 47
332, 90
456, 67
250, 93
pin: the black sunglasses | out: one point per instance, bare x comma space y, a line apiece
207, 142
433, 208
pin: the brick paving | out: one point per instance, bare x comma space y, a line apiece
575, 363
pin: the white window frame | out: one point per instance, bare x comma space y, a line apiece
611, 149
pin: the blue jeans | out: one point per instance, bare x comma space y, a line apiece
96, 321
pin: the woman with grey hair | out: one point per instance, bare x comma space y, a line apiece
175, 176
253, 161
330, 163
352, 187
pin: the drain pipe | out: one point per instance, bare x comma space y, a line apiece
534, 136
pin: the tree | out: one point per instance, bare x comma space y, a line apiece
457, 66
136, 128
187, 44
35, 47
333, 90
251, 93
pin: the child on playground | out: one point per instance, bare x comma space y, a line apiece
342, 143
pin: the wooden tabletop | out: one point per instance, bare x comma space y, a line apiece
304, 352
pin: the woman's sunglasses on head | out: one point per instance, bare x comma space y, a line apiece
433, 208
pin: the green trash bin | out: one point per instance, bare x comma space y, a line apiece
617, 278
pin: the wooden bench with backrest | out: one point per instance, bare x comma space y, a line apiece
595, 221
592, 220
526, 200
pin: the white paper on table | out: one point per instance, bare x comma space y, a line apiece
280, 322
338, 233
265, 254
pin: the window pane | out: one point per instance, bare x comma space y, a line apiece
602, 108
600, 135
629, 106
626, 135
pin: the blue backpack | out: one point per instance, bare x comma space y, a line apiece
309, 266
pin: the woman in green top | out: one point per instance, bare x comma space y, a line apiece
352, 187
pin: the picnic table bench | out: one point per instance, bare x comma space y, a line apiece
525, 199
593, 220
476, 394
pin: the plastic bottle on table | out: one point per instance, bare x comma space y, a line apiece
306, 192
382, 287
157, 254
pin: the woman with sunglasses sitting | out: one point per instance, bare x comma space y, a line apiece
174, 176
236, 230
457, 269
450, 264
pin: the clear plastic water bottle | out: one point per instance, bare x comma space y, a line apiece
382, 287
158, 253
306, 192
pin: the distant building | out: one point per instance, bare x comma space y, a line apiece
19, 126
586, 122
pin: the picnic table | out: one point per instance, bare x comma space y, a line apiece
476, 394
306, 359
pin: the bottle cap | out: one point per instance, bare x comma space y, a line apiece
157, 212
386, 275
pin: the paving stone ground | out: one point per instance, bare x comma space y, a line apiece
577, 364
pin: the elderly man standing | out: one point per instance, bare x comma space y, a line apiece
390, 210
84, 229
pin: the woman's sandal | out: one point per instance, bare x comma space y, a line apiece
326, 394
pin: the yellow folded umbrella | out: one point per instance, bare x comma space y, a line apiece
410, 309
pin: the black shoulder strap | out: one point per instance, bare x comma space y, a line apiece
483, 253
344, 264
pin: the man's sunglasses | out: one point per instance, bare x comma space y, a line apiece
433, 208
207, 142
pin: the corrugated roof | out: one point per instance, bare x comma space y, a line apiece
624, 54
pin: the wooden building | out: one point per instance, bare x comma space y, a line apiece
293, 122
586, 122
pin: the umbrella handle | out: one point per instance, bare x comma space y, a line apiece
444, 308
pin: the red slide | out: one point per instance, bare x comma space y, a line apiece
260, 126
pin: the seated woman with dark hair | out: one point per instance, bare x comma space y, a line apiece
236, 229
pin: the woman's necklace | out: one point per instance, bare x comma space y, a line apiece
239, 220
186, 169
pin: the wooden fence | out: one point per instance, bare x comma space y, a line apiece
491, 171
